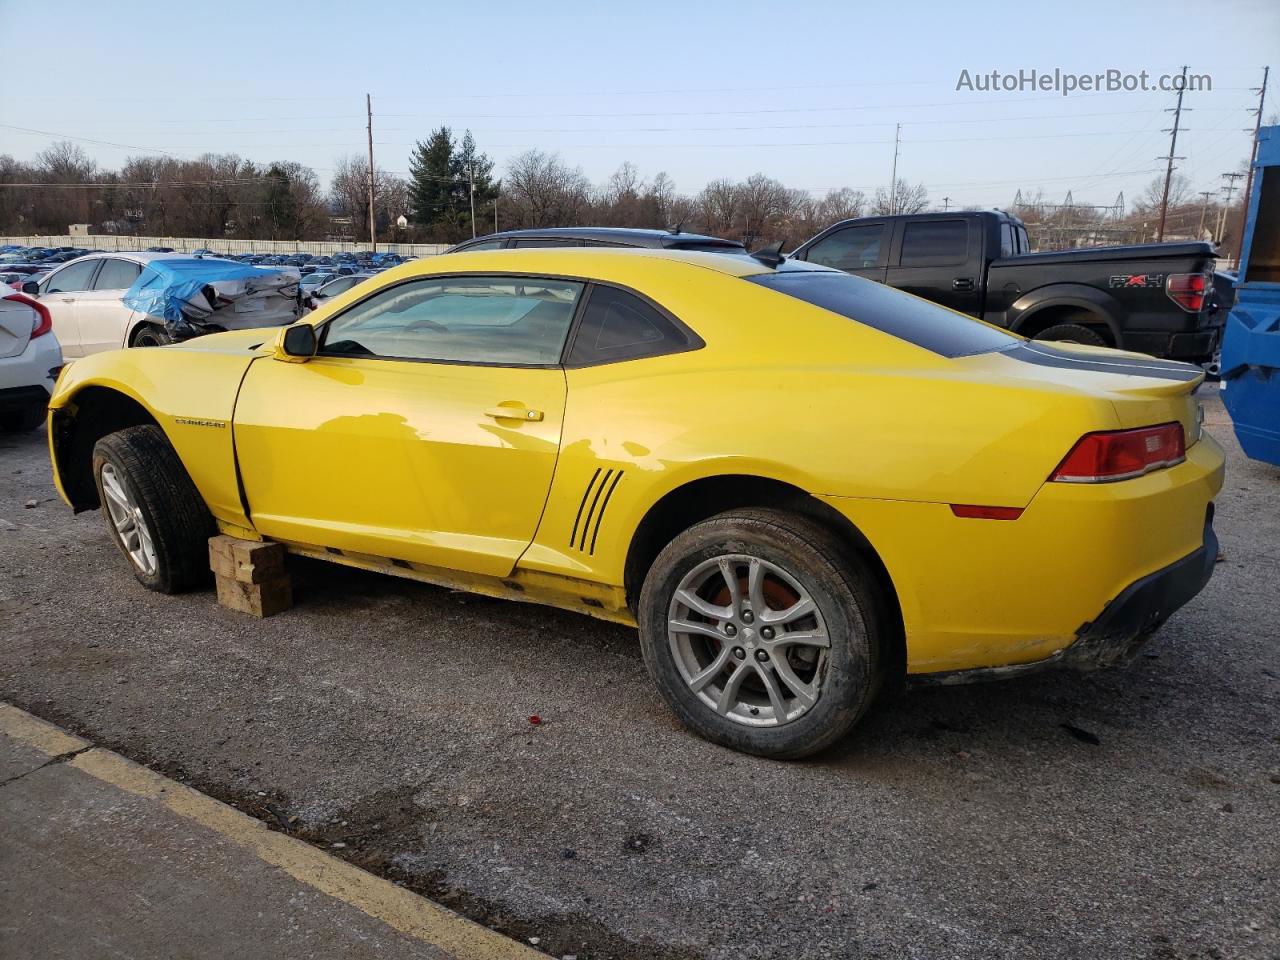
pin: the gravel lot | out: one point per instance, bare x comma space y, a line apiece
1127, 814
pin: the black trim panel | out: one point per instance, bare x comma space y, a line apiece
1043, 355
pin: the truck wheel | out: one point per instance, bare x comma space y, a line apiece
150, 335
1072, 333
20, 421
156, 516
761, 633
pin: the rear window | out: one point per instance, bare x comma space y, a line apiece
934, 243
890, 311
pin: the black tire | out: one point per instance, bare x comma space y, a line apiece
21, 421
171, 508
150, 335
841, 588
1072, 333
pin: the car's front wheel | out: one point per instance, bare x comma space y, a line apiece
156, 516
761, 632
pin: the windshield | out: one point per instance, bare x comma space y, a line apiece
890, 311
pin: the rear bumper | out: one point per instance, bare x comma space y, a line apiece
988, 595
1119, 631
1193, 347
20, 399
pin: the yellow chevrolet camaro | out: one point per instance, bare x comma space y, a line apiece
802, 486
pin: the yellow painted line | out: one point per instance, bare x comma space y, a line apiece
35, 733
397, 907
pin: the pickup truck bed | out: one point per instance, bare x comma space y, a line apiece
1151, 298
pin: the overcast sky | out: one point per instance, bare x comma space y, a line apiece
806, 92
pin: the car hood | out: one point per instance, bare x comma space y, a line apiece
253, 340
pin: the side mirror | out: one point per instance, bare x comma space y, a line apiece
296, 343
31, 288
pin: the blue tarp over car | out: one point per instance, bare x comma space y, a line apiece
214, 293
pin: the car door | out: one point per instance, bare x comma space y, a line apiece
102, 316
425, 430
939, 259
859, 249
61, 292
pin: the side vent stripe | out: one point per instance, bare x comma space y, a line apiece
573, 537
590, 513
604, 506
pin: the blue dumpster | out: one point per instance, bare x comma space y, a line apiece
1251, 341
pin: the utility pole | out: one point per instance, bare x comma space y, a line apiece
893, 178
471, 177
495, 214
373, 237
1204, 208
946, 204
1229, 189
1173, 149
1253, 156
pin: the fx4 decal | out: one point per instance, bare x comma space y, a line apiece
1138, 280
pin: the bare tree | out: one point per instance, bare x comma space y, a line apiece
717, 206
909, 199
1153, 195
837, 205
349, 195
543, 191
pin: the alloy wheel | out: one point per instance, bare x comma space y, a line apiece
127, 518
749, 640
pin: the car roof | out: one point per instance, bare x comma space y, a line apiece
572, 261
634, 236
137, 256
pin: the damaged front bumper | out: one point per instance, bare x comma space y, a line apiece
1119, 631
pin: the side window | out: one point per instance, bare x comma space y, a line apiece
854, 248
617, 325
1024, 245
495, 320
483, 245
935, 243
116, 275
73, 278
1007, 246
546, 242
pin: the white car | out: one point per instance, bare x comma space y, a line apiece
86, 299
29, 362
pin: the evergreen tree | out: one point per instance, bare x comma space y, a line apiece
281, 206
470, 163
432, 172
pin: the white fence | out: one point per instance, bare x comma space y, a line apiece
111, 241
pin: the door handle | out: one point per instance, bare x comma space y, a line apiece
67, 299
962, 283
514, 413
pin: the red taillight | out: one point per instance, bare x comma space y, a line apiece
1122, 454
43, 322
972, 511
1187, 290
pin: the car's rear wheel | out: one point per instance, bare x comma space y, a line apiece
761, 632
1072, 333
156, 516
150, 335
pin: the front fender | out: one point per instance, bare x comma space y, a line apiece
190, 395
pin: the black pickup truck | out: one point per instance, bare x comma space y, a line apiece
1151, 298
